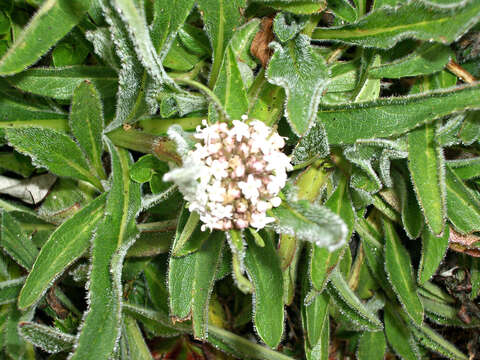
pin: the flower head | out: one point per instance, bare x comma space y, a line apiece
233, 175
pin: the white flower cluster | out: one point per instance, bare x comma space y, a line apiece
234, 174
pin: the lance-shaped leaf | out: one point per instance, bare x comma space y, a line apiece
428, 58
69, 241
324, 261
427, 169
86, 124
304, 75
169, 16
180, 284
230, 89
53, 20
115, 234
400, 274
310, 222
350, 305
10, 289
393, 116
433, 341
207, 260
137, 348
263, 267
53, 150
465, 169
59, 83
371, 346
46, 338
133, 16
300, 7
384, 27
463, 207
15, 242
220, 17
18, 114
399, 337
433, 251
412, 217
266, 100
131, 101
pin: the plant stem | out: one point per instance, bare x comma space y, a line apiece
160, 146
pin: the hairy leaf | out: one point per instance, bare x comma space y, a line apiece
46, 338
384, 27
69, 241
304, 76
427, 169
60, 83
86, 124
53, 150
116, 233
220, 17
347, 123
310, 222
263, 267
400, 274
463, 207
53, 20
350, 305
433, 251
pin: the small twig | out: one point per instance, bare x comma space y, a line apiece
460, 72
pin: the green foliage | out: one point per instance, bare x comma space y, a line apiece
370, 251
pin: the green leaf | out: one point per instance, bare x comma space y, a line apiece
427, 169
399, 337
69, 241
400, 274
343, 9
428, 58
86, 124
315, 317
53, 20
53, 150
181, 274
433, 251
266, 100
168, 18
60, 83
242, 41
18, 114
384, 27
371, 346
347, 123
310, 222
433, 341
324, 261
286, 26
116, 233
304, 76
15, 242
300, 7
463, 207
230, 89
263, 267
412, 217
220, 17
133, 15
46, 338
137, 347
207, 260
9, 290
313, 145
350, 305
446, 315
131, 97
470, 130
